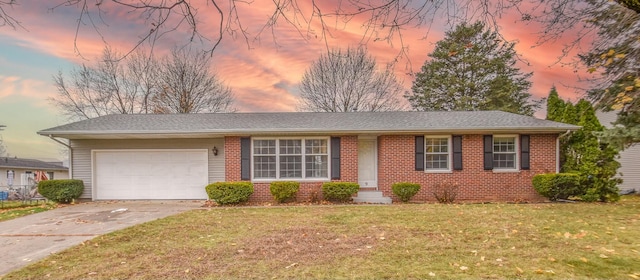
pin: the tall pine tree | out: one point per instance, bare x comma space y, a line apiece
582, 152
555, 106
472, 69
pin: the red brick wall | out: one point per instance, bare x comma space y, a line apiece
308, 190
348, 159
396, 164
232, 158
396, 154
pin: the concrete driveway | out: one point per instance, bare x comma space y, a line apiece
31, 238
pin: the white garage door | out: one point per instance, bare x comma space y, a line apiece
150, 174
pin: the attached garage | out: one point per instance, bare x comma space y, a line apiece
150, 174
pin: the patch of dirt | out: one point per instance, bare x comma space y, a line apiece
305, 245
211, 203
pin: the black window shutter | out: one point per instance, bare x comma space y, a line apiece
524, 152
335, 158
419, 153
457, 152
488, 152
245, 158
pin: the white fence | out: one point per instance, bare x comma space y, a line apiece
20, 192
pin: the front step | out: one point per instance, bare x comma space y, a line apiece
370, 196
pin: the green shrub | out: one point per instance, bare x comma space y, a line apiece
339, 191
61, 191
602, 190
229, 192
556, 186
405, 191
445, 192
283, 191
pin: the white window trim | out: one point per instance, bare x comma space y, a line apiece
314, 179
516, 163
450, 155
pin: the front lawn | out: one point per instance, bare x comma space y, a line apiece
401, 241
15, 209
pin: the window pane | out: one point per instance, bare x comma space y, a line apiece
504, 161
504, 144
316, 166
315, 146
290, 147
290, 166
437, 145
264, 167
437, 161
264, 147
437, 153
504, 152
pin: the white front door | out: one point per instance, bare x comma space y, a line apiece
367, 163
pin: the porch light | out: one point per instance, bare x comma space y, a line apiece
215, 151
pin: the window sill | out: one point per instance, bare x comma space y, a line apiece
438, 171
506, 170
305, 180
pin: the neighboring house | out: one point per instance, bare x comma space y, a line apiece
491, 155
629, 163
20, 171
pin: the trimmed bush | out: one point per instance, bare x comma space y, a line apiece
61, 191
339, 191
602, 190
445, 192
404, 190
229, 192
283, 191
556, 186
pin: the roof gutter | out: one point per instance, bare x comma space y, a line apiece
565, 134
558, 149
70, 154
195, 133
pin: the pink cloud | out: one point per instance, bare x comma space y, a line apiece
263, 69
36, 90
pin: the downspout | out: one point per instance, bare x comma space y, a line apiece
70, 155
558, 149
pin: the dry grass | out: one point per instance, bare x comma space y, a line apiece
15, 209
407, 241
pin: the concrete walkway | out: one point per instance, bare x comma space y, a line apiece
31, 238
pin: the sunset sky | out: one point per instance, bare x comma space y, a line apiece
263, 74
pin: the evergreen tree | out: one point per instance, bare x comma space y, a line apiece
596, 161
472, 69
582, 152
555, 106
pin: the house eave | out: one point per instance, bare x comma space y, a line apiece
33, 168
246, 132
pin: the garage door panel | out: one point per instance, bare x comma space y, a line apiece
151, 174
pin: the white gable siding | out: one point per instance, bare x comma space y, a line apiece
630, 165
81, 160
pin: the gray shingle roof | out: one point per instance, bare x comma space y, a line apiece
12, 162
305, 122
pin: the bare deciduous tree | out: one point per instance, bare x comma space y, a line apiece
3, 148
349, 81
5, 18
138, 85
110, 87
382, 20
188, 86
